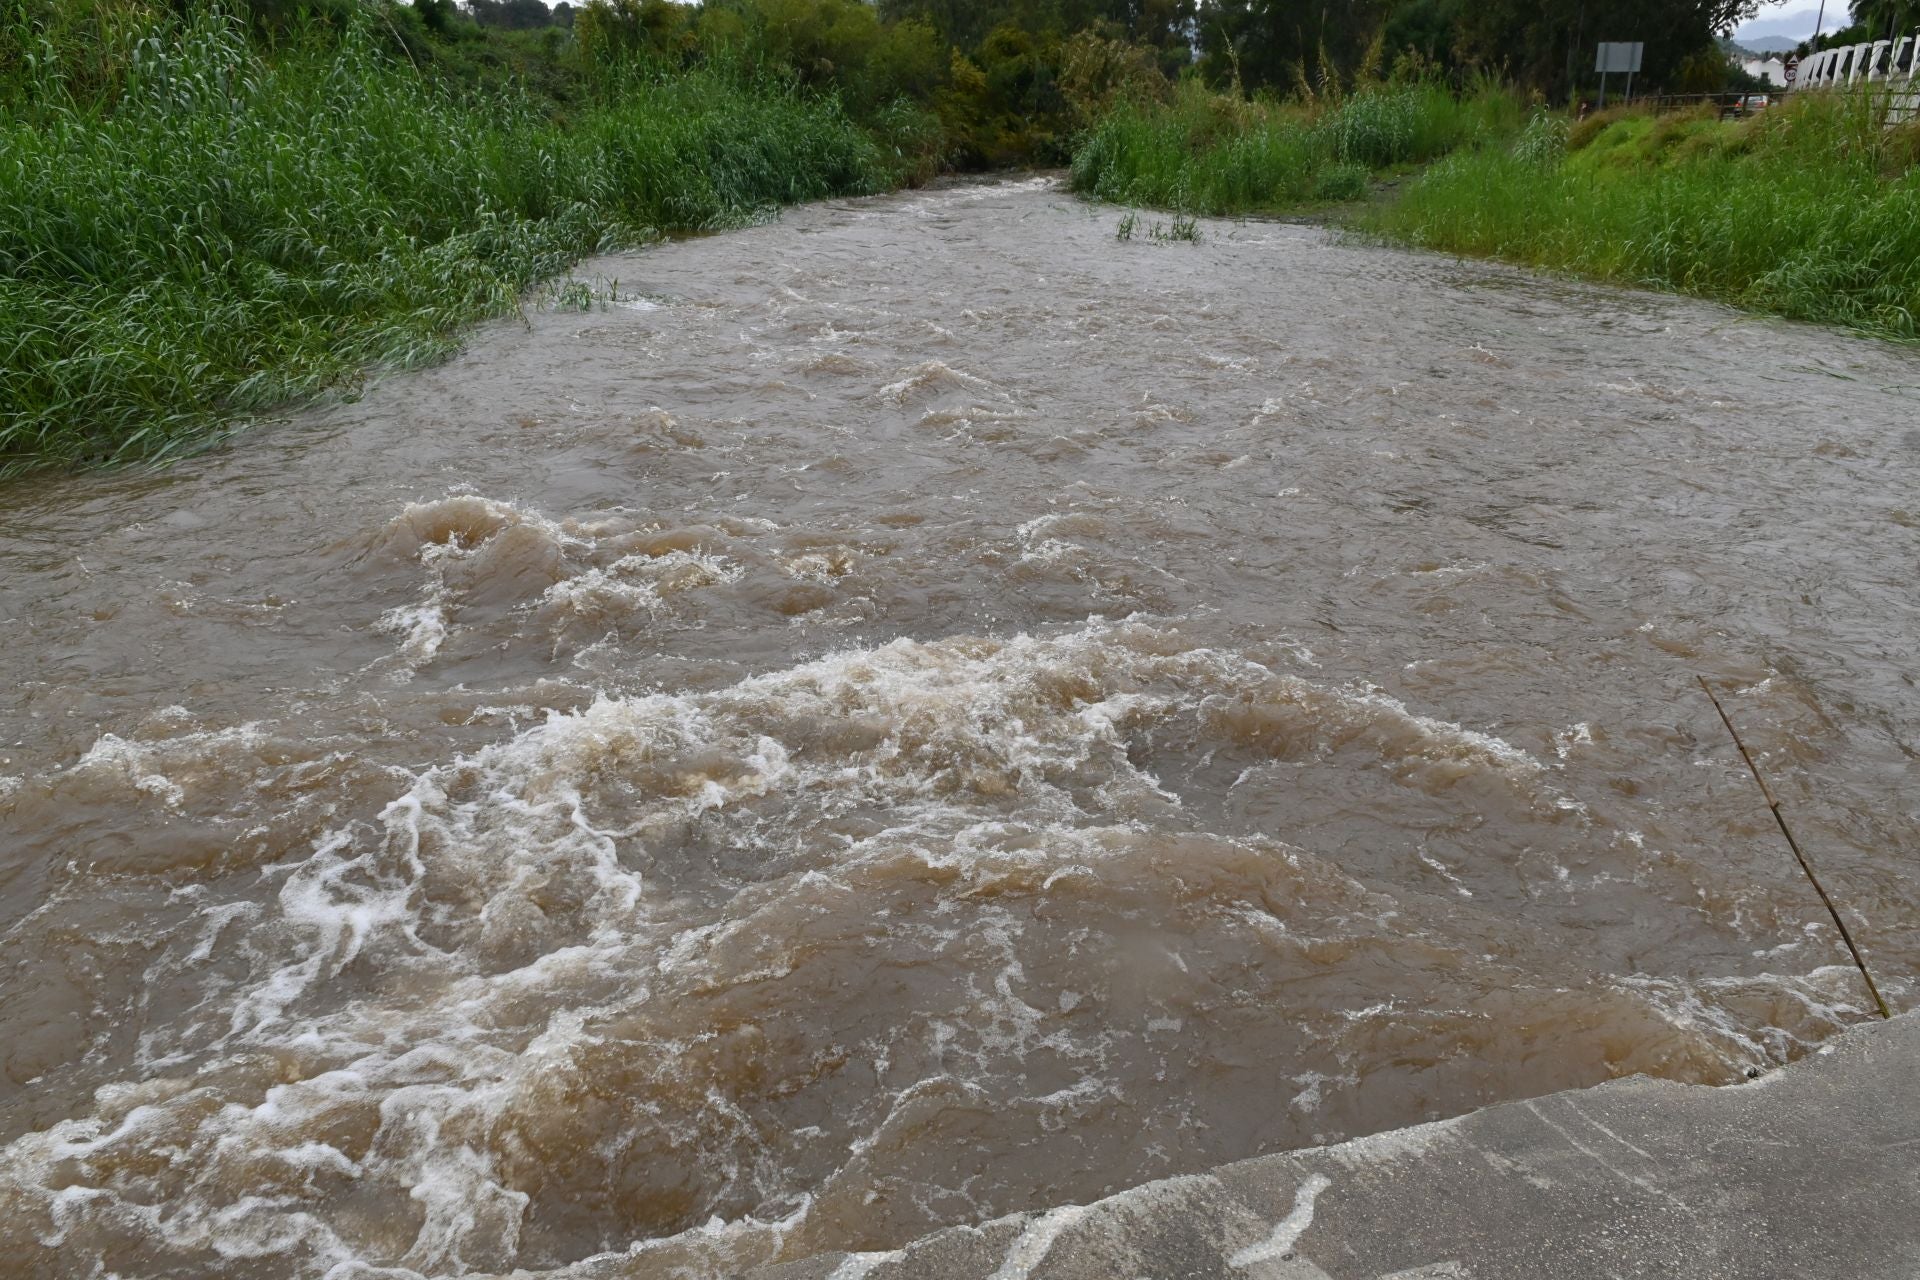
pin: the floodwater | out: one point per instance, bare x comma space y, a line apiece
920, 710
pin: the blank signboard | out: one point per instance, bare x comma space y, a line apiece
1619, 56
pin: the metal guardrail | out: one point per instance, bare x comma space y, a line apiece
1730, 105
1898, 101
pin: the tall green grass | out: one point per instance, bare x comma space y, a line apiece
1220, 154
1810, 211
229, 232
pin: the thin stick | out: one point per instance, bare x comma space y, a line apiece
1774, 804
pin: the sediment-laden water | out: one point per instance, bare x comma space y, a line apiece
921, 710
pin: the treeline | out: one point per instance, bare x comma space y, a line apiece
1011, 82
961, 83
513, 15
1004, 74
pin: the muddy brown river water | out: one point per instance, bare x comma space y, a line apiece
920, 710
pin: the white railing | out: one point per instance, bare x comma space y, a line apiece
1891, 66
1873, 61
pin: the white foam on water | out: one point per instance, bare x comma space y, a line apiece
932, 376
149, 768
134, 761
1496, 749
1313, 1092
1459, 885
578, 573
444, 975
1578, 735
422, 629
442, 533
639, 584
1803, 1009
932, 203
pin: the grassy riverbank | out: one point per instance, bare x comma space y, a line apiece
1213, 153
1811, 210
232, 231
237, 233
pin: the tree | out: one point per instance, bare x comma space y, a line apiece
1543, 44
1887, 19
1549, 44
1281, 43
435, 15
514, 15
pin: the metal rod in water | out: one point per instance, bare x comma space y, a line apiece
1774, 805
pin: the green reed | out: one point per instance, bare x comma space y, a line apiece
1218, 154
229, 232
1811, 210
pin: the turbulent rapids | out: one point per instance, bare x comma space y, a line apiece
920, 710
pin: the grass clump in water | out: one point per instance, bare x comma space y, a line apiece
1184, 229
1811, 210
225, 232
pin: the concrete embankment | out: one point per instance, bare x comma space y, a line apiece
1813, 1170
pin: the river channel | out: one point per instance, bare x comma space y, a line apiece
923, 709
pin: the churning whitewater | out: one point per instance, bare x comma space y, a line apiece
921, 710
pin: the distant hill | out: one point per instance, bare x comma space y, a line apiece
1741, 50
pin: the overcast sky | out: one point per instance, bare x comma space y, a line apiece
1793, 19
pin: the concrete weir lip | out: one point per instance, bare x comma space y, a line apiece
1810, 1171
